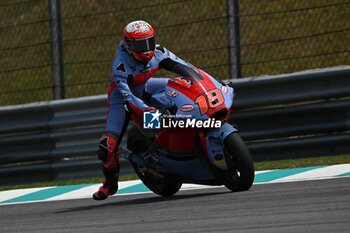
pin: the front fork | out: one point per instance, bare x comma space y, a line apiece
213, 144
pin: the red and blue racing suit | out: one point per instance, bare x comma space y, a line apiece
130, 81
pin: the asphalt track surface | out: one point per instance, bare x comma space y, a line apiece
305, 206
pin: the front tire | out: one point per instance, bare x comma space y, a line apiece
240, 175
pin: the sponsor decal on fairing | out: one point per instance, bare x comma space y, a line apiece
186, 108
157, 120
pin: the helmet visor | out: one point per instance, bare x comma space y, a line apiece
143, 45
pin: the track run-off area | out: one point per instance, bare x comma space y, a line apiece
310, 199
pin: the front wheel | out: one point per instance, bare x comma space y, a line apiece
240, 175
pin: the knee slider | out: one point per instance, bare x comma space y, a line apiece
107, 147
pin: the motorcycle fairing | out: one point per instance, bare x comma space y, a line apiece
185, 91
193, 168
160, 101
179, 99
190, 169
205, 90
227, 91
214, 142
176, 141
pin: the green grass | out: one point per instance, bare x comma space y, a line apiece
305, 35
280, 164
305, 162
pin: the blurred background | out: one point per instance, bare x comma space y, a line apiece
276, 36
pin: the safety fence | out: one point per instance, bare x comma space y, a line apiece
274, 37
287, 116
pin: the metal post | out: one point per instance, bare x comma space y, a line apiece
234, 38
56, 49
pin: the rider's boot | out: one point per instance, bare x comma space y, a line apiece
110, 160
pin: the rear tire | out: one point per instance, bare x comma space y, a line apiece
161, 184
239, 160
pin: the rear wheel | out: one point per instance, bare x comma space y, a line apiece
161, 184
240, 175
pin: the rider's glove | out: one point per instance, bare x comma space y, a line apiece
150, 108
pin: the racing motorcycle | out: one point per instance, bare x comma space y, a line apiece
195, 143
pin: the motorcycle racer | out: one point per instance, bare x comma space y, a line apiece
137, 59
